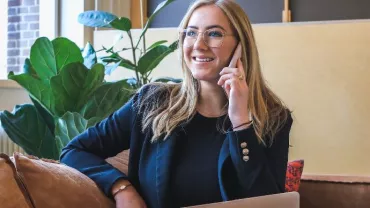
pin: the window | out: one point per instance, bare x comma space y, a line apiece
21, 23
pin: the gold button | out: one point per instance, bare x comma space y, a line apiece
245, 151
245, 158
243, 145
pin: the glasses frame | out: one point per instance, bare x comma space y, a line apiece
182, 35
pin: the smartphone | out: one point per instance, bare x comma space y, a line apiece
236, 56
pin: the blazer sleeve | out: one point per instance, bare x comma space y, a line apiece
265, 171
87, 152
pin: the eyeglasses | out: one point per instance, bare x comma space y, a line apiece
213, 38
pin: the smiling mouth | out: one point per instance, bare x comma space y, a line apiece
203, 60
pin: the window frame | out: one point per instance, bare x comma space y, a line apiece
49, 27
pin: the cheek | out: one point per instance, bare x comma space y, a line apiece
186, 51
223, 57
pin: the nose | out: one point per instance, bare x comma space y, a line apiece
200, 43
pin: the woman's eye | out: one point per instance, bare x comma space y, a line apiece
191, 33
215, 34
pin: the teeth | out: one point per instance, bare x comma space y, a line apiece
204, 60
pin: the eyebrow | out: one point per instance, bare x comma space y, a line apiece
208, 27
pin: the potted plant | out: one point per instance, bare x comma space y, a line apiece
67, 87
144, 59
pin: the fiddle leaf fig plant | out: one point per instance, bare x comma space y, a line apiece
67, 96
67, 85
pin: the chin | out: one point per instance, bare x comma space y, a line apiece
204, 76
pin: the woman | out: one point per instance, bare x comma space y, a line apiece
221, 134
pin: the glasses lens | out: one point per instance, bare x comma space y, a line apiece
190, 36
213, 37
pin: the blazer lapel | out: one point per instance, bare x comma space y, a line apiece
164, 163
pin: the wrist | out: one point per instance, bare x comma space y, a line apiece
119, 186
243, 125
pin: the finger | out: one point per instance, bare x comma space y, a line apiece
223, 78
227, 70
231, 83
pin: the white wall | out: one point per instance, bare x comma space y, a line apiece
10, 97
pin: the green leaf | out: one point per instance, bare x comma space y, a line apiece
127, 64
96, 18
43, 59
66, 52
28, 69
106, 99
108, 60
94, 79
152, 58
156, 44
121, 23
27, 128
89, 56
115, 57
73, 85
168, 79
45, 114
37, 89
69, 126
160, 6
174, 45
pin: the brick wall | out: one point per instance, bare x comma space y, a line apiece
23, 29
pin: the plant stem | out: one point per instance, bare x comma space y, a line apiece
134, 57
142, 23
144, 44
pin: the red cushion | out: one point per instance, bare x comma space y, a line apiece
293, 175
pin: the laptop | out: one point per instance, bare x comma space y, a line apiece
283, 200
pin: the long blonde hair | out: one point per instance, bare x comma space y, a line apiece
174, 104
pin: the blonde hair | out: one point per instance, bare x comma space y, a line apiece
175, 104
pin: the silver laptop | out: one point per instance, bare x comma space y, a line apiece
284, 200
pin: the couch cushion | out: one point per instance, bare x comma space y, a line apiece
51, 184
120, 161
293, 175
11, 195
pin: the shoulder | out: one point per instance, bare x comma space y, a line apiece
285, 120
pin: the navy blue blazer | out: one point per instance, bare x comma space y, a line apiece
150, 163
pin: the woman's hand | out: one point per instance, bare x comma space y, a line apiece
234, 83
128, 197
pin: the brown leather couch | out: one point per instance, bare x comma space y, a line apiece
327, 191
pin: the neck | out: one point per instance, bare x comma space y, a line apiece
212, 100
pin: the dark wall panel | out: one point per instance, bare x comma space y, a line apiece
259, 11
317, 10
263, 11
270, 11
170, 16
